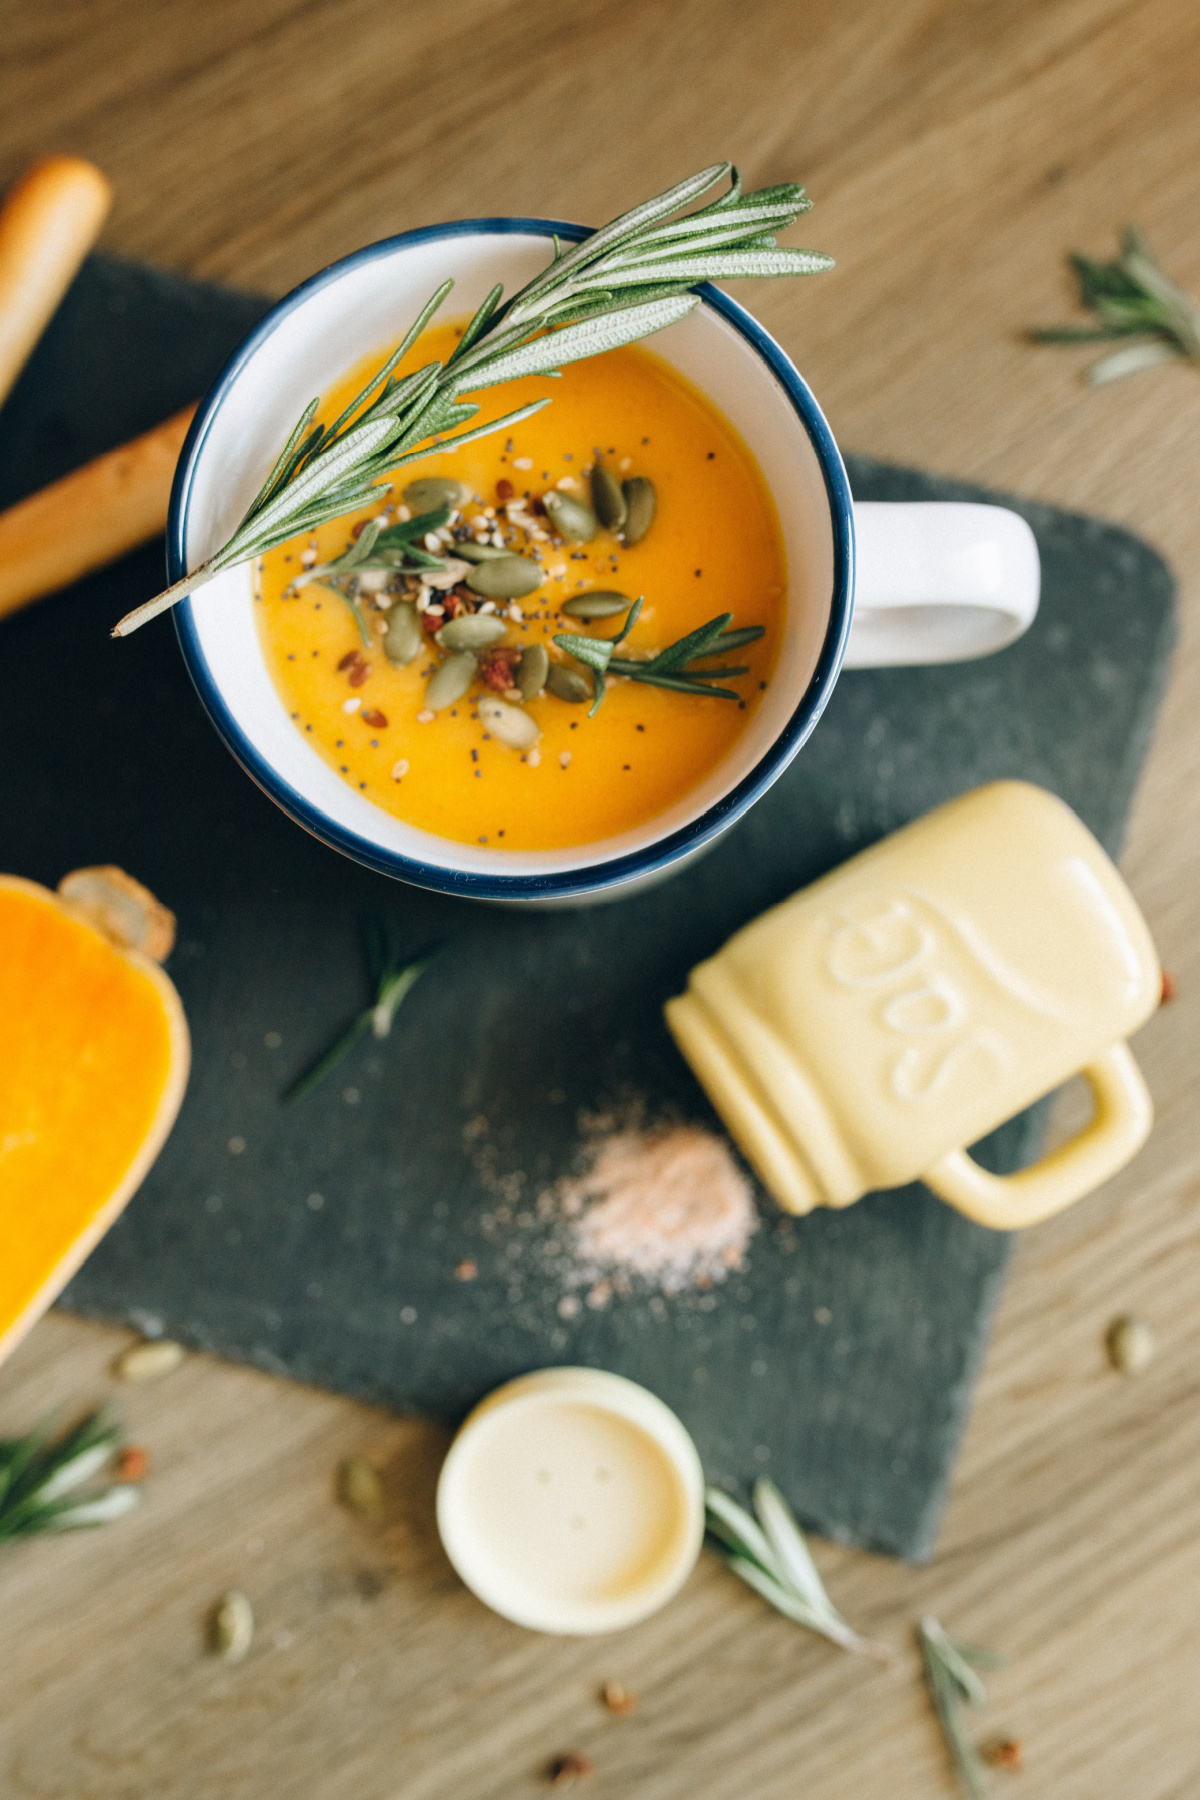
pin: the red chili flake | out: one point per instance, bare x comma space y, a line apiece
351, 658
618, 1699
359, 673
131, 1464
374, 717
1004, 1753
499, 671
504, 489
454, 604
566, 1770
1168, 988
357, 530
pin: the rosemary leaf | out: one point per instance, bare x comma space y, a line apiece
769, 1554
392, 980
45, 1485
631, 278
950, 1675
1132, 297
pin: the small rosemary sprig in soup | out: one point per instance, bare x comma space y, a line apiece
633, 277
673, 667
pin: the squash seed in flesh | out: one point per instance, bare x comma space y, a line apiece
505, 578
450, 680
431, 492
508, 723
608, 501
641, 501
403, 639
598, 603
570, 518
473, 631
532, 671
565, 684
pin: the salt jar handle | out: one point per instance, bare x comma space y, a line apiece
1118, 1128
939, 581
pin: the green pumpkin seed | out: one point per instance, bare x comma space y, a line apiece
474, 631
607, 498
431, 492
565, 684
512, 726
505, 578
532, 672
570, 518
478, 553
598, 603
640, 503
404, 637
360, 1488
232, 1627
450, 680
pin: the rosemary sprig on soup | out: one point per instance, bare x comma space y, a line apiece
488, 661
631, 278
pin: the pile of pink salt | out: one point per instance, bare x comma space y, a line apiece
670, 1206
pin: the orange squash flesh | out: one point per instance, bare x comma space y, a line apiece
94, 1057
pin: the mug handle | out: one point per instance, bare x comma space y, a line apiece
939, 581
1118, 1128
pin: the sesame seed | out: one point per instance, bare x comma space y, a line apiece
351, 706
425, 717
564, 759
399, 770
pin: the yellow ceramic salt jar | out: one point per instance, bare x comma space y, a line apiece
861, 1034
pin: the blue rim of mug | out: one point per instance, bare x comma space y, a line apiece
598, 877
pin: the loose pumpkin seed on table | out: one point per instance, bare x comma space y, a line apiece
232, 1629
360, 1488
149, 1361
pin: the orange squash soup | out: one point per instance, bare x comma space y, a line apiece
439, 692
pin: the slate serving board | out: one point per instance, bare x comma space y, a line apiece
841, 1360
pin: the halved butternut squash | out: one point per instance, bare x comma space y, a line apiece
94, 1056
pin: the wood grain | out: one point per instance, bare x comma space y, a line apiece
954, 151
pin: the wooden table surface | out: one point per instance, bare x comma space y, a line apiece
954, 150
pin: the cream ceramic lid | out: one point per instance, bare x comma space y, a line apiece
572, 1501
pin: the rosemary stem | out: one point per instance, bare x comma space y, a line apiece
141, 615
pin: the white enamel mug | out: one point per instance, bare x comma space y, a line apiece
936, 583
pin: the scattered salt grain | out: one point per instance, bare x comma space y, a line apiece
669, 1206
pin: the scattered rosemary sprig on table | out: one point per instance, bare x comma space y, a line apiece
631, 278
45, 1486
951, 1675
1133, 298
392, 978
768, 1551
671, 668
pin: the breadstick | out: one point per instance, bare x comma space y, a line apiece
90, 517
49, 221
